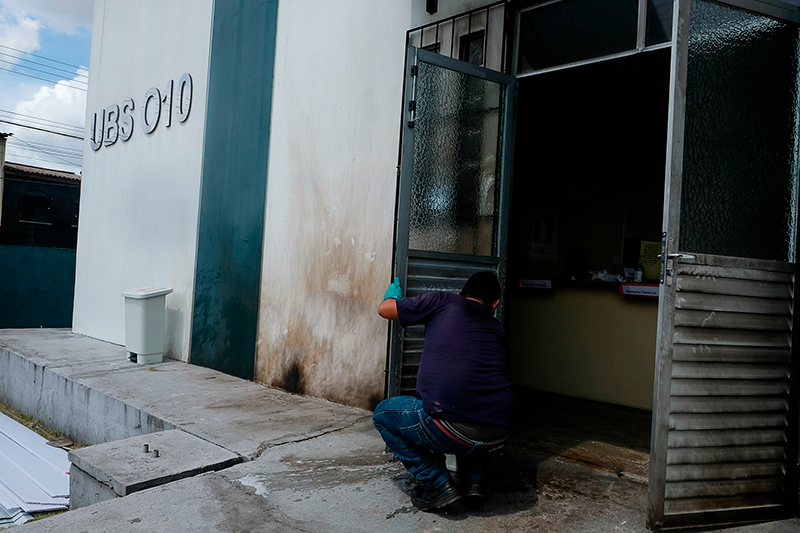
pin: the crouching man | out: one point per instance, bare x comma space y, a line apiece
464, 383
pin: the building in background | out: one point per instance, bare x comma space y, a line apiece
39, 207
38, 237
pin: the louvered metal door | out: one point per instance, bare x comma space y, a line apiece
724, 441
454, 187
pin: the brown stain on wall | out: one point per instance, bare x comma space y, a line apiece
336, 360
319, 334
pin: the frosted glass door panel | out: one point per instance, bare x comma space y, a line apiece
740, 160
456, 171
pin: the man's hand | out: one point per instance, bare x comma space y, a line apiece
388, 309
394, 291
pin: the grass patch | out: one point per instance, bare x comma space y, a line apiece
40, 516
35, 425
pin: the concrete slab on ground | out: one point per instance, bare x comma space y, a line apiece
315, 466
344, 482
137, 463
88, 389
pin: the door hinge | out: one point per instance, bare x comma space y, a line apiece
414, 70
410, 123
412, 105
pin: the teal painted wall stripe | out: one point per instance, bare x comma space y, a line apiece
233, 188
37, 287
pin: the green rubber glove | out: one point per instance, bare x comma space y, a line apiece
394, 290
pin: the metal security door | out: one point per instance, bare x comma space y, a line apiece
724, 440
454, 187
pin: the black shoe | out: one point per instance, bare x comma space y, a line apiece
474, 493
442, 496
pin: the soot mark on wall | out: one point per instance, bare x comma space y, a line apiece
293, 380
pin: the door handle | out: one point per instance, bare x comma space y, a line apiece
668, 259
668, 265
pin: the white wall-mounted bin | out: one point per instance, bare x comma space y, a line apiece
145, 323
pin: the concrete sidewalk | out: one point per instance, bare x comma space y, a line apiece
307, 464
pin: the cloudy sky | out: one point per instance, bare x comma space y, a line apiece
44, 56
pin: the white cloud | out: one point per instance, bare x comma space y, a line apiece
62, 16
59, 103
21, 23
21, 33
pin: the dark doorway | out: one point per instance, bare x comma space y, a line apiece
588, 191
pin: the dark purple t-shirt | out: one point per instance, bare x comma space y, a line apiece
464, 374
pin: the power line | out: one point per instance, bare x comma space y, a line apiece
43, 72
46, 128
38, 78
40, 57
74, 164
46, 153
53, 148
21, 150
57, 151
39, 119
66, 147
60, 145
70, 161
13, 140
47, 66
29, 122
41, 129
27, 148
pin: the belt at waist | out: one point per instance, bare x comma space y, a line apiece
479, 434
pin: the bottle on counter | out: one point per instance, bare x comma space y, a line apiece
638, 274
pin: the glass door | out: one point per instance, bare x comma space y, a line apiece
454, 187
724, 435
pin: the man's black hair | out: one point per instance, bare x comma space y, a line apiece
482, 286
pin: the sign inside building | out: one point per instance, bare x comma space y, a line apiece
115, 122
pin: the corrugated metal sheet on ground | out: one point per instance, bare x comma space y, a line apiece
18, 518
12, 517
34, 477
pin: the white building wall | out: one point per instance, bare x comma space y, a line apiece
139, 199
331, 196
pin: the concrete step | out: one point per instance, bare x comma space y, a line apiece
122, 467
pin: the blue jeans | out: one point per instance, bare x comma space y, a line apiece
417, 441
